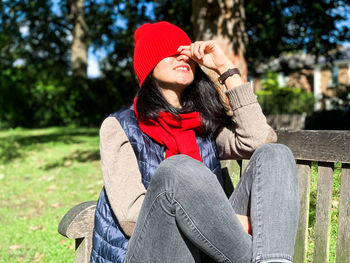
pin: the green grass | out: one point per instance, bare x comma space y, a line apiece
43, 173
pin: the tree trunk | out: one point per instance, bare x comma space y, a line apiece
80, 43
224, 21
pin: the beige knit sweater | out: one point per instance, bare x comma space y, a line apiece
122, 177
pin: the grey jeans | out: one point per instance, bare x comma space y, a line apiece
187, 217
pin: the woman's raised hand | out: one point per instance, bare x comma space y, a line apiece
208, 54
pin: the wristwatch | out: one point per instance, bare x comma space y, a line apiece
227, 74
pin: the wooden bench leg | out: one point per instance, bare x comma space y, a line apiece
83, 248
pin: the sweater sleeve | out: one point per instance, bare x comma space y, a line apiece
249, 128
121, 174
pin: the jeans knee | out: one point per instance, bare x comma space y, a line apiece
178, 160
175, 165
182, 169
274, 152
165, 170
277, 162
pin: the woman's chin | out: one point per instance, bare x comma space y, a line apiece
184, 81
181, 82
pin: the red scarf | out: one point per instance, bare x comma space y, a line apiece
176, 134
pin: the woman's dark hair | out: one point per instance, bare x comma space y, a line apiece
200, 96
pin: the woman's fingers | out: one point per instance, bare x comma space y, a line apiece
197, 45
188, 51
180, 48
192, 49
205, 53
202, 49
198, 48
185, 52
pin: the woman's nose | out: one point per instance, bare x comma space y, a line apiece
182, 57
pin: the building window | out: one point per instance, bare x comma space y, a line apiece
282, 79
334, 80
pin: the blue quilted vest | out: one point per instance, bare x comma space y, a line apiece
109, 241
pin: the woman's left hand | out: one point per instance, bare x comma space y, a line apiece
208, 54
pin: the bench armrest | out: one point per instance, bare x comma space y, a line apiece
78, 222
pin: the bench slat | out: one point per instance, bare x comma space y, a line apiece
304, 196
236, 173
324, 146
323, 212
244, 165
232, 170
343, 241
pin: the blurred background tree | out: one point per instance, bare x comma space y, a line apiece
280, 26
45, 46
223, 21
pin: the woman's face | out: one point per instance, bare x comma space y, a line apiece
175, 71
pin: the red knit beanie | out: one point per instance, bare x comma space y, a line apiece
154, 42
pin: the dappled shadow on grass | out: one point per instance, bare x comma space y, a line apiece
16, 146
77, 156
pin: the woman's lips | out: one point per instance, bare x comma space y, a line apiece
182, 68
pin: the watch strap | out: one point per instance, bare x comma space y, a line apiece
230, 72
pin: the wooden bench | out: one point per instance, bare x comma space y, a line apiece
323, 147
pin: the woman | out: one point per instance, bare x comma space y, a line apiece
170, 142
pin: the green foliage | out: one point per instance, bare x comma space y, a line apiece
34, 62
52, 104
34, 102
29, 101
36, 85
13, 94
278, 100
178, 12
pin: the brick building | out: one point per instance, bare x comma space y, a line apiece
328, 76
300, 70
